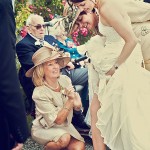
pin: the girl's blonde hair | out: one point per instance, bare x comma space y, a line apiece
38, 75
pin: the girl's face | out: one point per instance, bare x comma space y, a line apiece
86, 5
51, 69
86, 21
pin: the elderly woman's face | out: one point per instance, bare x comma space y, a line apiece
86, 5
86, 21
51, 69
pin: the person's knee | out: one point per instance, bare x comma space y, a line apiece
64, 140
77, 146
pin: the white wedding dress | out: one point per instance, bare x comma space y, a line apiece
124, 116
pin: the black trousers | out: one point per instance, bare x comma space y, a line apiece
5, 137
147, 1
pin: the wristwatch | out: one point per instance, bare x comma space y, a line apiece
116, 66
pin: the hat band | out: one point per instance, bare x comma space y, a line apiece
40, 57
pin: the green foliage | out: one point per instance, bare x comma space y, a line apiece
45, 8
22, 13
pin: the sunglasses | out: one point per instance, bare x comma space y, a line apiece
39, 26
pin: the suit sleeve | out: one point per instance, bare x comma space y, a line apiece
25, 53
11, 102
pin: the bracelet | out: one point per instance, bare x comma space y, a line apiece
67, 108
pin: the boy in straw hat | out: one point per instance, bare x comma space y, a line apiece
55, 100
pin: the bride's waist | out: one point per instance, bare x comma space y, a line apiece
115, 42
104, 65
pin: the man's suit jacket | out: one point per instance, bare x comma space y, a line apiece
12, 111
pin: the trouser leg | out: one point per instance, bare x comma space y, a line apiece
5, 143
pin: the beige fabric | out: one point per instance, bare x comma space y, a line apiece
48, 103
137, 10
124, 114
47, 53
142, 31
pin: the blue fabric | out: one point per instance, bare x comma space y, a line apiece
72, 50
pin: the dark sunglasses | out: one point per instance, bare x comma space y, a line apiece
39, 26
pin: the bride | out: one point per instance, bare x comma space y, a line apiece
122, 93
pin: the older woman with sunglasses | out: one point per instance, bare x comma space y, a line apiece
55, 100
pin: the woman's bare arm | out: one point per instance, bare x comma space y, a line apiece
116, 18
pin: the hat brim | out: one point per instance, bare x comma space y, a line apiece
72, 14
62, 61
73, 22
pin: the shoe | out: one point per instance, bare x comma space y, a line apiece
79, 123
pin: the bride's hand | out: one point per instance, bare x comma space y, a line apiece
110, 72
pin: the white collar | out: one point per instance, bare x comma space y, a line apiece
34, 37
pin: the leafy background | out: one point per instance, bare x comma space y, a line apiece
47, 9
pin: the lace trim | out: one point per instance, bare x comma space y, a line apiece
144, 30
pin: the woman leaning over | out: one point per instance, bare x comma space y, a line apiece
55, 100
121, 113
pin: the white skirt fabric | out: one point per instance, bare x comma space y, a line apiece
124, 116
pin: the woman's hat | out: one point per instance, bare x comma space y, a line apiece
45, 54
72, 15
67, 21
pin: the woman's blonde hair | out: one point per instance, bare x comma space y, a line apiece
38, 75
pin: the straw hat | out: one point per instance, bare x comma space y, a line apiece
67, 21
72, 14
45, 54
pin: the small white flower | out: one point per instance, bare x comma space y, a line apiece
37, 42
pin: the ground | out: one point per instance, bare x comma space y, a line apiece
31, 145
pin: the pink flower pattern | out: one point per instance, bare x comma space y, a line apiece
23, 31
